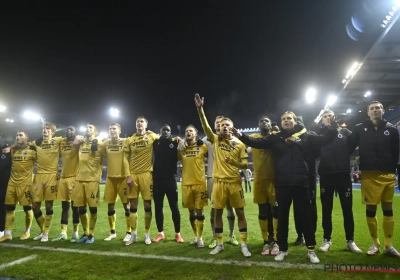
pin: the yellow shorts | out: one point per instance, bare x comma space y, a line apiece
44, 187
86, 193
210, 183
194, 196
222, 191
143, 184
377, 186
263, 191
65, 187
114, 187
18, 194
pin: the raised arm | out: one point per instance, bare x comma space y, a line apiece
258, 143
204, 123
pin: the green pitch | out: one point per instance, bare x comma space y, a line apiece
169, 260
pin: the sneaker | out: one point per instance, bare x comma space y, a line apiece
281, 256
39, 237
233, 240
200, 243
325, 246
147, 239
82, 239
313, 257
90, 240
178, 238
275, 249
111, 237
212, 244
218, 249
158, 238
373, 250
132, 240
45, 237
265, 250
1, 234
74, 237
245, 251
299, 241
25, 236
195, 241
127, 237
392, 251
351, 246
5, 238
61, 236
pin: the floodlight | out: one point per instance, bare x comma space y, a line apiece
114, 112
31, 116
348, 111
2, 108
310, 95
82, 129
103, 135
10, 120
331, 100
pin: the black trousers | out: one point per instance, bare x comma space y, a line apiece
340, 182
301, 196
312, 188
166, 187
3, 190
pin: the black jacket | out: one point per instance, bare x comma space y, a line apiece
334, 157
5, 168
378, 148
290, 164
165, 158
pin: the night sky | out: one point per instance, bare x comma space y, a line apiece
246, 58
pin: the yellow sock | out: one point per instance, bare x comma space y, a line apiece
133, 221
264, 228
193, 223
28, 219
111, 221
64, 228
243, 236
199, 228
92, 223
388, 226
84, 221
275, 224
128, 224
40, 222
219, 237
10, 217
147, 221
47, 223
76, 227
373, 229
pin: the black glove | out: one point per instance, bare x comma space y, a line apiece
199, 142
31, 147
39, 141
94, 147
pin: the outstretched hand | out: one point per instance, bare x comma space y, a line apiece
235, 132
198, 101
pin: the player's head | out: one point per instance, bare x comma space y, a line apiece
217, 123
264, 123
165, 131
275, 127
70, 132
225, 126
49, 129
141, 123
375, 110
91, 130
326, 117
22, 137
114, 130
190, 132
288, 120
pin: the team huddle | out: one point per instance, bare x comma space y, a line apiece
146, 164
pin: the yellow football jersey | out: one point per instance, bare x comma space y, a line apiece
47, 155
262, 161
90, 163
114, 152
23, 161
193, 170
70, 159
139, 150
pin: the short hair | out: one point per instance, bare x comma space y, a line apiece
116, 124
24, 132
142, 117
373, 102
293, 114
328, 111
219, 117
264, 117
52, 127
192, 126
274, 124
227, 119
96, 129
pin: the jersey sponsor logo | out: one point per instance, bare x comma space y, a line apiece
114, 148
190, 153
340, 135
141, 144
171, 145
3, 156
387, 133
225, 147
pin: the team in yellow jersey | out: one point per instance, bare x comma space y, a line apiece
23, 159
194, 190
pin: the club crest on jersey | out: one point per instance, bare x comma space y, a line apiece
233, 144
386, 132
145, 137
365, 199
121, 143
322, 190
197, 149
3, 156
25, 153
340, 135
52, 142
171, 145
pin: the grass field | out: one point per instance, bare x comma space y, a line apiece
169, 260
